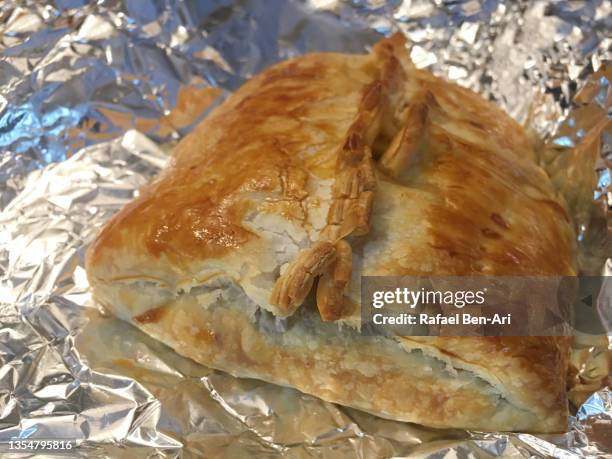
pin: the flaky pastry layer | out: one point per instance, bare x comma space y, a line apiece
246, 253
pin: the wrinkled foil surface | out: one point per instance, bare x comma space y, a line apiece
92, 96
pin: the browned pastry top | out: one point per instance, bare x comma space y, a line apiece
328, 167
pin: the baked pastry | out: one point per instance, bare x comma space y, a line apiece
245, 254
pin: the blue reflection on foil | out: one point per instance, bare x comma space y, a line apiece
604, 181
18, 123
564, 141
598, 404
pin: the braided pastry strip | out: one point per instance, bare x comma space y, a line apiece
294, 285
396, 159
332, 303
352, 198
353, 191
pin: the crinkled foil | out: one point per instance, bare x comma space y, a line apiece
89, 92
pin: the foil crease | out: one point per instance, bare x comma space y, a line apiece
88, 94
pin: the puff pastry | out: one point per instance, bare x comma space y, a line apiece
245, 254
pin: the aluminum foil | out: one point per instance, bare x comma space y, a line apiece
91, 97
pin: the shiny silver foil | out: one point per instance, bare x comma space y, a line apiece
88, 105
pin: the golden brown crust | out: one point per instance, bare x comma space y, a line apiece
332, 166
195, 209
529, 362
490, 209
367, 376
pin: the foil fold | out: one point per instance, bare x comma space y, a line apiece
91, 98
